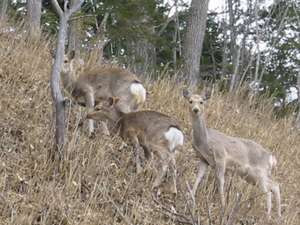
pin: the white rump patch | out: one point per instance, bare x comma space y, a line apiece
139, 92
175, 137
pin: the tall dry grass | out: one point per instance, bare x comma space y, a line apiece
97, 183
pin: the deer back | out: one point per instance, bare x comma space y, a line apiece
150, 124
239, 151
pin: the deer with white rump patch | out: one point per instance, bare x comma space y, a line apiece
94, 85
148, 131
222, 152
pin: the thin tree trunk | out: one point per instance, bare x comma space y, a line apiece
234, 79
34, 8
233, 50
58, 99
3, 10
297, 122
194, 40
224, 50
57, 96
74, 33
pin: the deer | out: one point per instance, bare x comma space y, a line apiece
95, 84
243, 157
147, 131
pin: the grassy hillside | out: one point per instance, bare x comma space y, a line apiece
98, 183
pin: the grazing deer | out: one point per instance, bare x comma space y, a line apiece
245, 157
147, 131
93, 85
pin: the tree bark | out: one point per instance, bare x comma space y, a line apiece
58, 99
34, 8
3, 10
233, 50
297, 122
194, 40
74, 33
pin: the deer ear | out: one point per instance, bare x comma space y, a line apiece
206, 93
186, 93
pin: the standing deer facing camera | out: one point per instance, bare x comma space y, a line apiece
91, 86
147, 131
245, 157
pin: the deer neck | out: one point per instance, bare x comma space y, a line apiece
68, 80
200, 139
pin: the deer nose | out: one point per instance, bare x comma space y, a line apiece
195, 110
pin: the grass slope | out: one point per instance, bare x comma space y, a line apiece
97, 183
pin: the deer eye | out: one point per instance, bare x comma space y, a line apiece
190, 101
66, 61
201, 103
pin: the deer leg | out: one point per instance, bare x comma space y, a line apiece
265, 188
174, 174
137, 149
90, 102
160, 176
220, 174
276, 191
164, 161
201, 172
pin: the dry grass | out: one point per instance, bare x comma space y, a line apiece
97, 183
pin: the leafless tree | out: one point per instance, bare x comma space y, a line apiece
297, 124
232, 45
3, 9
74, 33
58, 100
34, 8
194, 39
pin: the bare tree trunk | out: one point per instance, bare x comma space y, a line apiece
233, 50
194, 39
145, 57
34, 8
58, 99
3, 10
224, 49
297, 122
74, 33
233, 84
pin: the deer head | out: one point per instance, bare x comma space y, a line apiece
196, 102
106, 110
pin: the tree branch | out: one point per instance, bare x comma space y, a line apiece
57, 8
66, 5
166, 24
74, 8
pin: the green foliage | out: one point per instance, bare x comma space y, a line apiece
134, 22
283, 50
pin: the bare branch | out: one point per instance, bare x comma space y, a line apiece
66, 5
166, 24
181, 218
80, 17
57, 8
102, 26
74, 8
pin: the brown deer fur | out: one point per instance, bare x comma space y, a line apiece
93, 85
222, 152
148, 131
